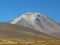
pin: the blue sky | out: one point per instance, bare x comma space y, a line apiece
9, 9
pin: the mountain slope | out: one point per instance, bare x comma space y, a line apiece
38, 22
18, 31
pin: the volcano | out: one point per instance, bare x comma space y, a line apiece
38, 22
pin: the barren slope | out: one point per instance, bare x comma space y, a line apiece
18, 31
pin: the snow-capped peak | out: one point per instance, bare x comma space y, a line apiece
28, 16
34, 20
